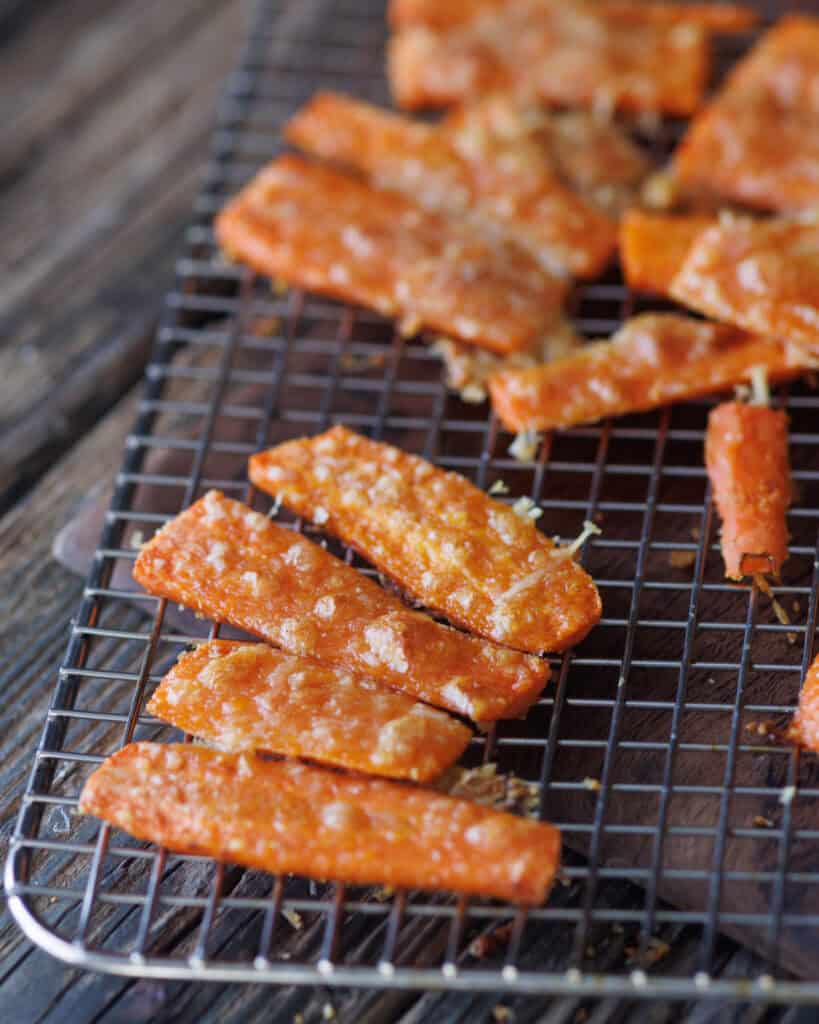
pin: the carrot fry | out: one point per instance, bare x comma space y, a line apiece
230, 563
501, 174
452, 547
653, 247
757, 142
804, 729
746, 454
760, 275
653, 359
320, 229
292, 818
715, 17
250, 697
563, 54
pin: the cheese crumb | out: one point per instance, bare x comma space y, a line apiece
524, 508
498, 487
525, 445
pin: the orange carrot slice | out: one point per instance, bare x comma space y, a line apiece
757, 142
760, 275
653, 359
329, 232
230, 563
502, 174
746, 454
804, 729
653, 247
562, 54
292, 818
249, 697
461, 553
715, 17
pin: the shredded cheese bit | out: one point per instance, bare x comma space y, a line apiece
328, 1011
293, 918
779, 611
526, 509
498, 487
484, 785
136, 539
760, 392
592, 784
590, 529
787, 795
760, 822
524, 447
275, 508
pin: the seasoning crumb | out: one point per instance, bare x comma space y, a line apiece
524, 447
298, 1018
491, 942
293, 918
581, 1016
502, 1013
617, 928
136, 539
695, 533
498, 487
525, 509
761, 822
383, 893
682, 559
328, 1011
592, 784
787, 795
591, 951
350, 362
796, 607
791, 638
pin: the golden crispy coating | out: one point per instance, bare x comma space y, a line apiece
286, 817
329, 232
760, 275
500, 173
250, 697
232, 564
746, 453
562, 54
757, 142
653, 247
804, 728
452, 547
653, 359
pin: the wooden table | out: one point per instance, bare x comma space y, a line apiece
108, 107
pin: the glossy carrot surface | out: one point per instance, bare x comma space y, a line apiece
653, 359
329, 232
746, 454
234, 565
286, 817
250, 697
452, 547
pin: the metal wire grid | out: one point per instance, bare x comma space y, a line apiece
642, 749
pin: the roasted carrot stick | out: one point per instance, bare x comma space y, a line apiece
562, 54
712, 16
286, 817
653, 247
440, 537
757, 141
760, 275
653, 359
502, 174
250, 697
746, 454
230, 563
804, 729
320, 229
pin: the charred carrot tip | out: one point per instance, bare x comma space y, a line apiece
286, 817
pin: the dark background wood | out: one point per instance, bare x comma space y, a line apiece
106, 110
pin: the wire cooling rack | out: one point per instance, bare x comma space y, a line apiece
655, 751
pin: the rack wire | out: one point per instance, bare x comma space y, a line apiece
655, 751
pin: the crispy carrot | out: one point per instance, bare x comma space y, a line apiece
653, 247
757, 142
804, 729
760, 275
286, 817
715, 17
653, 359
250, 697
561, 54
746, 454
226, 561
502, 174
452, 547
320, 229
